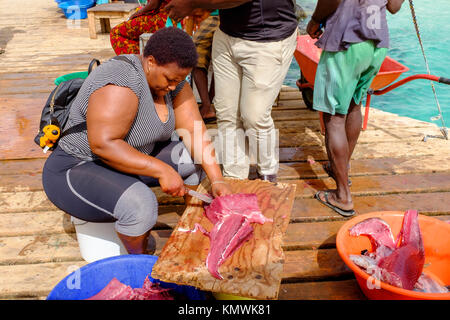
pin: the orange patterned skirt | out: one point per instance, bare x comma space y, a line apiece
125, 36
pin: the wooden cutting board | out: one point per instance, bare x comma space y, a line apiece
255, 269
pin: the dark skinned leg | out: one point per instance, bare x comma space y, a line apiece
135, 245
353, 125
338, 155
200, 76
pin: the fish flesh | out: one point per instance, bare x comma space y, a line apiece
116, 290
232, 216
400, 262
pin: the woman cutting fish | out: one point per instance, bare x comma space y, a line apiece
132, 105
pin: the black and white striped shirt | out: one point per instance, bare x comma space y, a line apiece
147, 128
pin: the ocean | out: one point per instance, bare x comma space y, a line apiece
414, 99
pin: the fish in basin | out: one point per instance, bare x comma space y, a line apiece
397, 262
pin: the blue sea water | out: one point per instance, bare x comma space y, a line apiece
414, 99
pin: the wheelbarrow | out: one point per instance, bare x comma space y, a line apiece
308, 54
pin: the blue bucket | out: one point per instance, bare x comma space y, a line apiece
128, 269
76, 9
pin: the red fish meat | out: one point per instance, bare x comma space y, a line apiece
400, 264
116, 290
232, 216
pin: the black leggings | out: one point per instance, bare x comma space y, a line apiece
94, 192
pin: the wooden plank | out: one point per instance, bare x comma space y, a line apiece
18, 167
114, 7
365, 167
254, 270
290, 95
48, 248
434, 204
54, 222
311, 169
311, 138
310, 265
378, 185
34, 280
11, 202
35, 223
39, 249
323, 290
369, 151
22, 194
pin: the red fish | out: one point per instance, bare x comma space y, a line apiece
116, 290
400, 263
232, 216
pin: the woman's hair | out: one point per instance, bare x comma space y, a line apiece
171, 44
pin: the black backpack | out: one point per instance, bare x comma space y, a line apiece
56, 109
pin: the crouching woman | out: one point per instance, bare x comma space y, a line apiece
132, 106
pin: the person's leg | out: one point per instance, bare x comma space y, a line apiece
353, 125
200, 76
338, 154
334, 86
230, 143
263, 76
203, 38
94, 192
135, 245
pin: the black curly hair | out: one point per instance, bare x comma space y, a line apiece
171, 44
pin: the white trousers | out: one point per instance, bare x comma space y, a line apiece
248, 76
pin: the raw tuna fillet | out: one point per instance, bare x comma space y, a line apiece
116, 290
231, 216
404, 266
401, 262
377, 230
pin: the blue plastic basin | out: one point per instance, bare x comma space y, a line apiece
128, 269
76, 9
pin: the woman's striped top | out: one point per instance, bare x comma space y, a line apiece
147, 128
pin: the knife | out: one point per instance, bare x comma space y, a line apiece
204, 197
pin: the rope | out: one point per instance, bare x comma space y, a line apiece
440, 116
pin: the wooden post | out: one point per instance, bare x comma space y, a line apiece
91, 22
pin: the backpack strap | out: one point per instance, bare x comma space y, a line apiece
83, 125
125, 59
76, 128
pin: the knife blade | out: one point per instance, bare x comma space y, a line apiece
204, 197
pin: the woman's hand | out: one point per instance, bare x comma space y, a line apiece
151, 5
172, 183
220, 188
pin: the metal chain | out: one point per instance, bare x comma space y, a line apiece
440, 116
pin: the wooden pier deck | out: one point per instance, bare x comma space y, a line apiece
392, 168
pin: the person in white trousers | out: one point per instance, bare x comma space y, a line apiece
251, 54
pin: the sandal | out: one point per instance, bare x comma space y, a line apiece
327, 168
209, 120
342, 212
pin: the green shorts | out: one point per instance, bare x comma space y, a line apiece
346, 75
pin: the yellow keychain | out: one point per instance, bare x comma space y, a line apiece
51, 135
